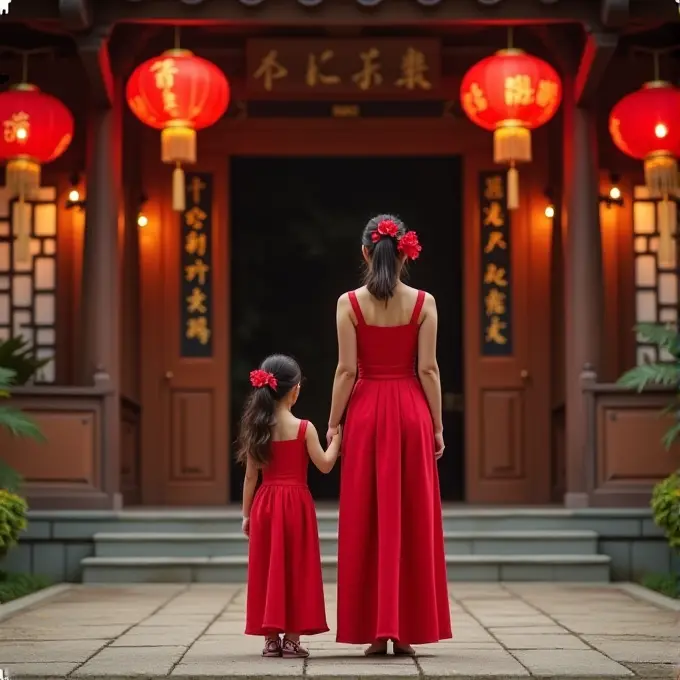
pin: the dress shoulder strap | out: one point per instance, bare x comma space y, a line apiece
420, 300
355, 306
302, 430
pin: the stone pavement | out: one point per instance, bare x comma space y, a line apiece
502, 631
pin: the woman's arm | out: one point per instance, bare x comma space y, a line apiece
249, 485
428, 369
346, 372
324, 460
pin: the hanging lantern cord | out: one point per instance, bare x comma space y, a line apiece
511, 33
177, 31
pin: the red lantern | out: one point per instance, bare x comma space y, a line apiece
645, 125
37, 129
178, 93
511, 93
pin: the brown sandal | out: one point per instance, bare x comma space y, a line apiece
272, 648
292, 650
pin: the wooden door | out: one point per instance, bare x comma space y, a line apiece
507, 298
191, 455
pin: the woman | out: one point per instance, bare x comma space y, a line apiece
391, 562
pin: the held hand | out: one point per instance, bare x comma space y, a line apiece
245, 527
438, 445
331, 432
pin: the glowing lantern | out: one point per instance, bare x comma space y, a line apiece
646, 125
37, 129
178, 93
511, 93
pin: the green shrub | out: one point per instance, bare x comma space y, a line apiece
13, 511
666, 508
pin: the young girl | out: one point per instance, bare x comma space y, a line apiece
285, 588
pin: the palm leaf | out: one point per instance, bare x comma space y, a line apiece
664, 337
7, 377
655, 374
671, 435
19, 424
18, 355
10, 479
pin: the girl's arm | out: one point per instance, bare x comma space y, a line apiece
249, 485
428, 369
346, 372
323, 460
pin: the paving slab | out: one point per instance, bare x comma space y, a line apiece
503, 631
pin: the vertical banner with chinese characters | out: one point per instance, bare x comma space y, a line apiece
196, 249
496, 303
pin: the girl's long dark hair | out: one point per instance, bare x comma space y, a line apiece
382, 274
255, 433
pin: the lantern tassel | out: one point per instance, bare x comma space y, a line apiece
513, 188
23, 242
178, 189
667, 215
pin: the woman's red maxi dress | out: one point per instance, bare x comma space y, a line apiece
391, 560
285, 587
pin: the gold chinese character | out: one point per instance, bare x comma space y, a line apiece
493, 215
518, 90
195, 244
196, 302
198, 270
165, 71
413, 69
195, 187
496, 240
474, 100
315, 75
493, 189
546, 93
197, 327
493, 331
494, 302
17, 128
194, 218
270, 70
495, 275
370, 71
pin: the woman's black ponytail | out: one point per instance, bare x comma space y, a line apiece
382, 273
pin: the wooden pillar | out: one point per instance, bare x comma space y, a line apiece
101, 284
583, 286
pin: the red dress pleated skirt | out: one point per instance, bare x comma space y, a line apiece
391, 562
285, 587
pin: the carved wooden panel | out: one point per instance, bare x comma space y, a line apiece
69, 456
503, 445
631, 448
192, 443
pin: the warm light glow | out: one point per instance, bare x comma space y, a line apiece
550, 211
615, 193
142, 220
74, 195
660, 130
22, 133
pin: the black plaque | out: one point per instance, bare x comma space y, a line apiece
196, 263
496, 265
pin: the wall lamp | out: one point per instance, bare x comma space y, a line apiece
75, 200
614, 196
142, 219
550, 204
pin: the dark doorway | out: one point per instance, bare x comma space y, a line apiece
295, 247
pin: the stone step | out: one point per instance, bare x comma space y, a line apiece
233, 569
234, 544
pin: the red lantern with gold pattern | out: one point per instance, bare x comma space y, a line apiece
646, 125
511, 93
36, 129
178, 93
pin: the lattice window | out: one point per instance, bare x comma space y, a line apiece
656, 287
28, 289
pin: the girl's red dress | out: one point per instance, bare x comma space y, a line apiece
391, 560
285, 588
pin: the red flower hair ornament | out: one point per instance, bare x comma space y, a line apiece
260, 378
406, 244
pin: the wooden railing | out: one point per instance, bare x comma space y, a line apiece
624, 453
